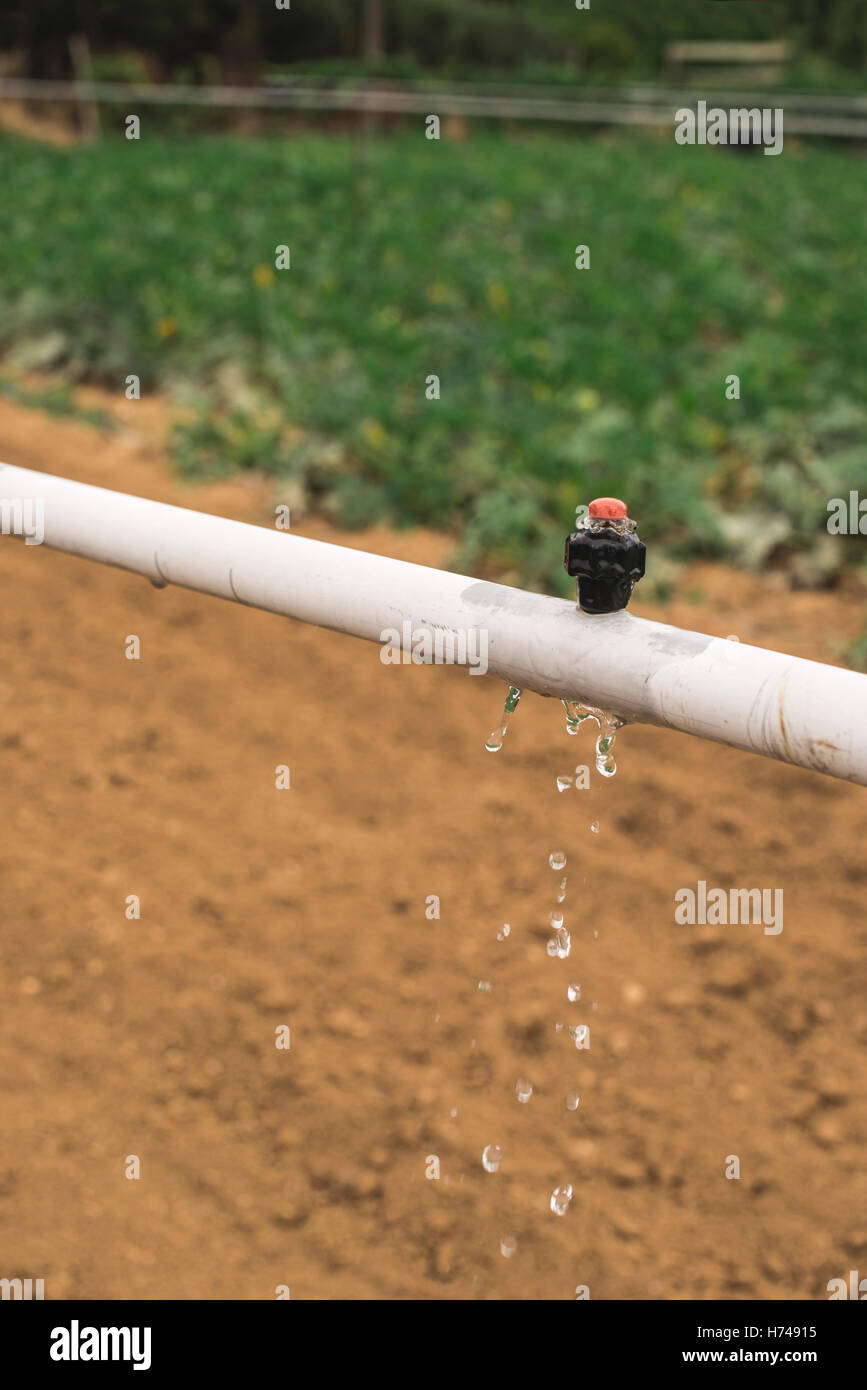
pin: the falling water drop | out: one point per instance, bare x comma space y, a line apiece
523, 1089
573, 1100
508, 1246
608, 726
562, 891
565, 782
495, 740
560, 944
557, 859
573, 993
605, 764
484, 986
595, 827
503, 932
492, 1157
560, 1199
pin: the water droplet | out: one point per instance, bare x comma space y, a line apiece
595, 827
454, 1114
605, 764
573, 1100
485, 986
557, 859
564, 782
733, 637
494, 741
573, 993
492, 1157
560, 944
508, 1246
608, 726
523, 1089
503, 932
556, 919
580, 1035
576, 714
562, 893
560, 1199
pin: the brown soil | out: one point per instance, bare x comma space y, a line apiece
306, 907
50, 125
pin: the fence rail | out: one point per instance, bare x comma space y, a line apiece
821, 115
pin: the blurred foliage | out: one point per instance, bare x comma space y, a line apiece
185, 40
854, 653
412, 258
57, 398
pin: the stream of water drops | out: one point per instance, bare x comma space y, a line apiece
559, 944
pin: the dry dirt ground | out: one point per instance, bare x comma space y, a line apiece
306, 1168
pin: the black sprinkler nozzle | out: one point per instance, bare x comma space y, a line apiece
605, 556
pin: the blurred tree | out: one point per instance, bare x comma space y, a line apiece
239, 35
373, 31
241, 47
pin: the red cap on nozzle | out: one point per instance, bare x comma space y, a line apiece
610, 508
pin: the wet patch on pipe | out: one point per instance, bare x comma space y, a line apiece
500, 598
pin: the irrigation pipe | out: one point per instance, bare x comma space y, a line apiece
782, 707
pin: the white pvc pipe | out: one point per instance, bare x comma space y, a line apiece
781, 706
